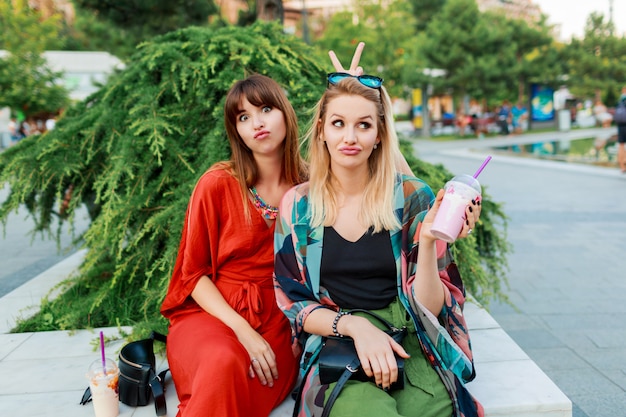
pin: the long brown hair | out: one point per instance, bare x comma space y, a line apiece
260, 90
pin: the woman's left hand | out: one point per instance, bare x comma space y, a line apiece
354, 69
472, 214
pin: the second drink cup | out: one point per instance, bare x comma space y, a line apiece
103, 383
459, 192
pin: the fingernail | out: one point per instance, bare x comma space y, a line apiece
478, 202
467, 222
470, 208
473, 201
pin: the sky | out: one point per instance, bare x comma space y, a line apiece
572, 14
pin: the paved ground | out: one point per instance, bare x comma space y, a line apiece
568, 228
24, 255
568, 269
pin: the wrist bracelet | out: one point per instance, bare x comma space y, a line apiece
339, 315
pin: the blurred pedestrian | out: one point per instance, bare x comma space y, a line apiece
601, 113
519, 116
504, 117
621, 131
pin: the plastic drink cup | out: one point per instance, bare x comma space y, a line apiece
104, 388
459, 192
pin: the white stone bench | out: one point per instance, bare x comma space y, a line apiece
47, 369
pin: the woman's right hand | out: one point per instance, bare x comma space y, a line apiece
375, 349
354, 69
262, 357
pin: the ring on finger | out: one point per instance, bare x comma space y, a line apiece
469, 231
254, 360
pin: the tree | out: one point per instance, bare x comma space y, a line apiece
26, 81
424, 11
387, 29
474, 54
131, 22
596, 64
531, 46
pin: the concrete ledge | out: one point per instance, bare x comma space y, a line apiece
24, 301
48, 368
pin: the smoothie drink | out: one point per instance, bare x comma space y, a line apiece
104, 388
459, 192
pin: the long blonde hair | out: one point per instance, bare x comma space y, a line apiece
378, 197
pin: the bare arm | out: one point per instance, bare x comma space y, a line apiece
208, 296
428, 287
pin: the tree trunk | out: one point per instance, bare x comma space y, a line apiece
270, 10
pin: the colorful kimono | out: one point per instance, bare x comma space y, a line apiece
444, 339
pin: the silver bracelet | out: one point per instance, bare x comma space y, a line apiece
339, 315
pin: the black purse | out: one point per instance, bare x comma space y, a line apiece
339, 362
138, 380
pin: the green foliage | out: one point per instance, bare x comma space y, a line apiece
126, 23
132, 153
596, 63
486, 55
424, 11
390, 40
26, 81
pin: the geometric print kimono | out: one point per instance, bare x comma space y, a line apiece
444, 339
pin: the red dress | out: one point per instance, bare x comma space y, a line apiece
208, 364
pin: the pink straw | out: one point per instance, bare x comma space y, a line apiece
485, 162
104, 361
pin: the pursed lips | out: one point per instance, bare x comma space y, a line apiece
350, 150
261, 134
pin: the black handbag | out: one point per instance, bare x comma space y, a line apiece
339, 362
138, 380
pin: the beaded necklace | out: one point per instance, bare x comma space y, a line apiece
268, 211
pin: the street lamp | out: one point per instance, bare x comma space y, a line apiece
305, 24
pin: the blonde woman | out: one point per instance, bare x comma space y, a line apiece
348, 239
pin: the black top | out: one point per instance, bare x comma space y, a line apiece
359, 274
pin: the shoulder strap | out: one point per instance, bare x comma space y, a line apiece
157, 382
158, 392
351, 368
389, 325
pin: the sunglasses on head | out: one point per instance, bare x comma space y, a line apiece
370, 81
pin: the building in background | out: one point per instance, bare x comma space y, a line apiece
81, 72
513, 9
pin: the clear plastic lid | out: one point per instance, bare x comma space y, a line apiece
468, 180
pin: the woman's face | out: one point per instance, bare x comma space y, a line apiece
262, 128
350, 131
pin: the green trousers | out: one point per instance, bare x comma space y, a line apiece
424, 395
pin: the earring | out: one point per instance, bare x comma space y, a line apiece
376, 146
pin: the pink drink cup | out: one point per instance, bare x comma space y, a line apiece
460, 191
104, 388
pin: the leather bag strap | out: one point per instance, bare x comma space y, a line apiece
158, 392
387, 324
351, 368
